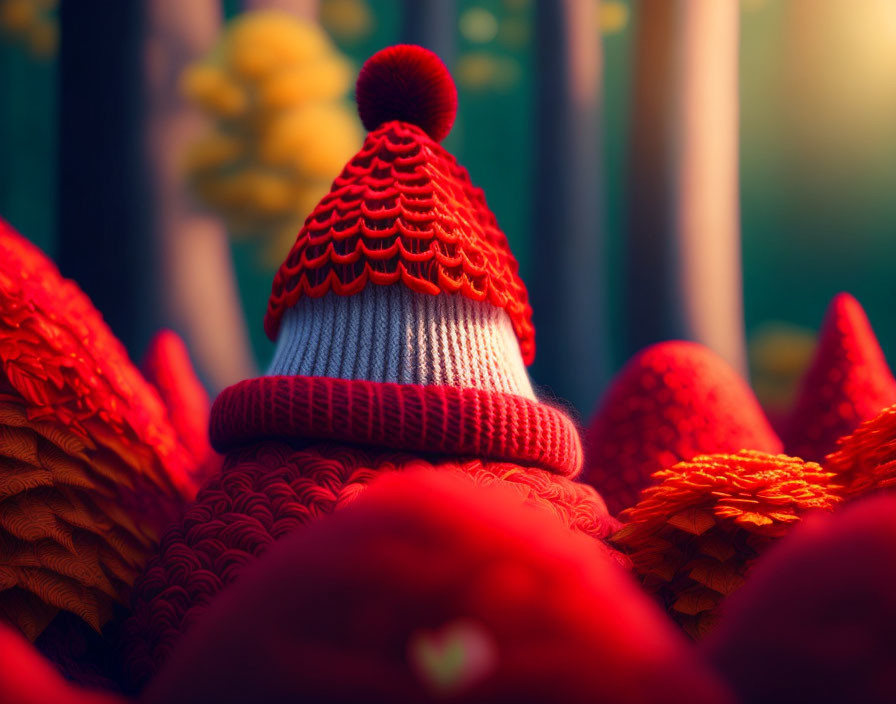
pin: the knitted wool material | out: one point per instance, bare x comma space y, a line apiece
394, 334
91, 470
427, 419
814, 623
403, 211
695, 534
847, 383
269, 490
671, 402
431, 589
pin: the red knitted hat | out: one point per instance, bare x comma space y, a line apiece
431, 588
403, 210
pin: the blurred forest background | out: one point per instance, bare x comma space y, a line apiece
641, 155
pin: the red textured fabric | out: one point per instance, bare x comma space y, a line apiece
671, 402
403, 211
410, 84
814, 623
58, 355
865, 461
26, 678
431, 590
91, 469
268, 490
848, 382
695, 534
168, 368
430, 419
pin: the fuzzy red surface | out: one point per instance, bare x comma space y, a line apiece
814, 623
403, 211
91, 469
671, 402
410, 84
27, 678
865, 461
432, 589
168, 368
269, 490
847, 383
62, 361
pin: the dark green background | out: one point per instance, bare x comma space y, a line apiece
797, 254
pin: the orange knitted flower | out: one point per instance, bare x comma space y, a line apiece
90, 467
865, 461
693, 536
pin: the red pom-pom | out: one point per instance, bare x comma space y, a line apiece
410, 84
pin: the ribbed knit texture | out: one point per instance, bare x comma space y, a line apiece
394, 334
441, 420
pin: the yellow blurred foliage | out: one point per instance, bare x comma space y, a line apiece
274, 89
31, 23
481, 71
779, 356
612, 16
348, 20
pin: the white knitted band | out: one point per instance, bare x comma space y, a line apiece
391, 333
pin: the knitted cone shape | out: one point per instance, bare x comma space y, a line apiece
815, 621
848, 382
696, 533
671, 402
90, 467
168, 368
428, 589
401, 329
401, 273
865, 461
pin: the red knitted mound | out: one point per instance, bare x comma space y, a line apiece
815, 621
865, 462
26, 678
430, 589
409, 84
270, 489
168, 368
671, 402
848, 382
90, 467
403, 210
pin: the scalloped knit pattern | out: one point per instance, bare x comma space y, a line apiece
671, 402
848, 383
270, 489
90, 468
403, 210
695, 534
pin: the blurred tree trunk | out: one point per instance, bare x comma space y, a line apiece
683, 262
306, 9
196, 286
102, 234
431, 24
568, 286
